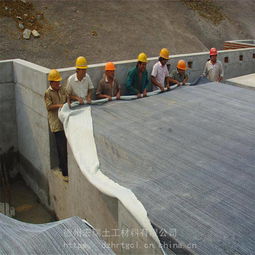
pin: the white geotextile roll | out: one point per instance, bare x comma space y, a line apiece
79, 132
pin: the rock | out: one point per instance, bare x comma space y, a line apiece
25, 15
18, 17
23, 1
26, 34
35, 34
94, 33
21, 26
6, 8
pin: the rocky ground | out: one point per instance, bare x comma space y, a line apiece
118, 29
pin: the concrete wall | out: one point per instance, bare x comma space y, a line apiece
8, 130
238, 44
233, 68
32, 126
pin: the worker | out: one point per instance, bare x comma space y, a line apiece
79, 85
137, 79
55, 96
179, 76
108, 86
213, 69
160, 73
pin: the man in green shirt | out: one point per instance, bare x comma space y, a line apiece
137, 80
179, 75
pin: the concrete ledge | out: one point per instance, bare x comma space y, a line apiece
247, 81
31, 76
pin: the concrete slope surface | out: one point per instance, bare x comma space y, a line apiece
114, 30
189, 157
69, 236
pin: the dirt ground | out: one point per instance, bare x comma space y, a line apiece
115, 30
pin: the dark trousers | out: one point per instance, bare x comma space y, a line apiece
62, 151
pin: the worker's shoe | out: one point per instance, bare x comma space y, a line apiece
65, 178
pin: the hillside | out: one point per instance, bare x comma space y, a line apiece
116, 30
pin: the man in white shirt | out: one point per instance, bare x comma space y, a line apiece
213, 69
79, 85
160, 73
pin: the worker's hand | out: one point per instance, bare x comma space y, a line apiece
88, 99
118, 97
139, 95
162, 89
168, 87
145, 94
80, 100
109, 98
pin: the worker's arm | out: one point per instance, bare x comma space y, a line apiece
220, 79
88, 97
146, 85
167, 82
205, 72
76, 98
99, 92
118, 94
54, 107
172, 80
154, 82
221, 73
145, 93
49, 104
91, 87
185, 79
101, 96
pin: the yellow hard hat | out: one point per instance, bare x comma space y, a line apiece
142, 57
164, 53
181, 65
81, 63
109, 66
54, 75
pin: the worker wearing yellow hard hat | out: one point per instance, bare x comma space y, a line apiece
160, 73
79, 85
179, 75
137, 79
54, 97
108, 86
213, 69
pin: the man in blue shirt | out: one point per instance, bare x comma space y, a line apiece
137, 80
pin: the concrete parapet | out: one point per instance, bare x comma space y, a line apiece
235, 63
